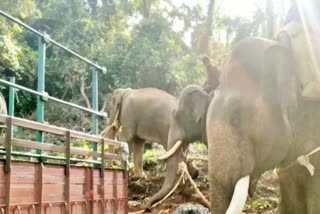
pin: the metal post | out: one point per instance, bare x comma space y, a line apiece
94, 103
41, 85
11, 97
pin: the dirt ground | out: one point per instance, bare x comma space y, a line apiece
265, 199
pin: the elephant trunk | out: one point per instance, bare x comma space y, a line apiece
169, 182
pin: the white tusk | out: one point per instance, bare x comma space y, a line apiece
173, 150
239, 196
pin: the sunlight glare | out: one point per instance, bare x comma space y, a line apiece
309, 22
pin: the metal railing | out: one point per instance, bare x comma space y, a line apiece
42, 96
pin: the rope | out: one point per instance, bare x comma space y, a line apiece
203, 199
316, 150
114, 125
184, 169
184, 172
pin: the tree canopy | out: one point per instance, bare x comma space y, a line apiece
137, 41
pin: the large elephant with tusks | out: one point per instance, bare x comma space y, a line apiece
187, 125
257, 121
143, 115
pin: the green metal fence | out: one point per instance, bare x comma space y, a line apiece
42, 96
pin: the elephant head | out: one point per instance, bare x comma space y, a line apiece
248, 130
188, 120
187, 124
114, 107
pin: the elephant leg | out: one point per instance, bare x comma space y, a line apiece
292, 190
313, 188
220, 195
313, 195
138, 162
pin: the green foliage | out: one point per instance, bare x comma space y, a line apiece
150, 158
148, 53
135, 40
152, 55
261, 205
198, 149
9, 54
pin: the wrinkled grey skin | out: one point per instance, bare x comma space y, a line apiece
144, 116
187, 123
257, 121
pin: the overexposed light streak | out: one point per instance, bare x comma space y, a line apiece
306, 22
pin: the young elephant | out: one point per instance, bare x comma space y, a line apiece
143, 115
187, 125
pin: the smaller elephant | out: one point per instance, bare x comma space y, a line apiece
143, 115
187, 125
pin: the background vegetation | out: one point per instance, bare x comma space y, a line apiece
137, 40
140, 44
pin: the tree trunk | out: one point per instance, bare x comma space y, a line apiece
205, 43
270, 18
208, 30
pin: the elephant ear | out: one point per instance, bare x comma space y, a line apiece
115, 104
279, 76
117, 96
200, 103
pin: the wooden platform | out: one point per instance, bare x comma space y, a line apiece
39, 186
35, 186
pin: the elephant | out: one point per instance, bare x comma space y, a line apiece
259, 121
187, 125
3, 110
144, 115
3, 105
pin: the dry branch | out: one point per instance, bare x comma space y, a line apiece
104, 106
83, 93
